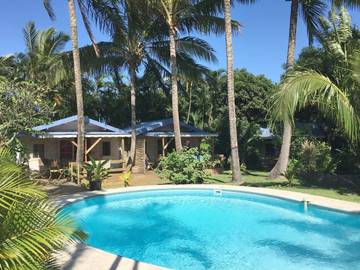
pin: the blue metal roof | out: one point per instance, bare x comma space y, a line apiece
144, 128
183, 134
265, 133
74, 118
73, 134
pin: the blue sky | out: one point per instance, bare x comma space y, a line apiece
260, 47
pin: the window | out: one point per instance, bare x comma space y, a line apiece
39, 150
106, 149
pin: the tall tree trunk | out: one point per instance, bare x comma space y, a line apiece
236, 174
133, 114
78, 85
283, 160
174, 89
188, 88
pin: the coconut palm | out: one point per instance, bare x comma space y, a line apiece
77, 76
177, 17
76, 62
310, 10
137, 45
235, 162
32, 229
43, 60
331, 94
301, 89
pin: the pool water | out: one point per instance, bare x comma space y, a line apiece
199, 229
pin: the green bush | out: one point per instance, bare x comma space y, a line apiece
314, 161
185, 167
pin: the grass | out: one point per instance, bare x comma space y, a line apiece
259, 179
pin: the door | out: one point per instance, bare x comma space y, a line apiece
66, 151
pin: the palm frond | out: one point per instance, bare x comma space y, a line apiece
348, 3
301, 89
32, 229
49, 9
30, 36
311, 11
88, 27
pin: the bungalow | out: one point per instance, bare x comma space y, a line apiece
56, 142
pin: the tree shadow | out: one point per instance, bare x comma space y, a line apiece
296, 251
195, 254
340, 230
267, 183
155, 229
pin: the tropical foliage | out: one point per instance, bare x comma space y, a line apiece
325, 79
312, 163
23, 105
131, 78
187, 166
96, 170
32, 229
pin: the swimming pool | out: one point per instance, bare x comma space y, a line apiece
202, 229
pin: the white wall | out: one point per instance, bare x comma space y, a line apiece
51, 146
96, 152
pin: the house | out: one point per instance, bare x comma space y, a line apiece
56, 141
155, 138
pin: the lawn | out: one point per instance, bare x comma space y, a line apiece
259, 179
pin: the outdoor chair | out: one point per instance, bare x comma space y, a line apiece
55, 169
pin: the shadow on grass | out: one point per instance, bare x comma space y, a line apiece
268, 184
211, 179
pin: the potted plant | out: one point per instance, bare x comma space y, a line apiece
96, 172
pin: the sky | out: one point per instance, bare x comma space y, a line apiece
260, 47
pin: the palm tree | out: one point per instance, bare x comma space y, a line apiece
137, 44
301, 89
77, 68
78, 85
177, 17
235, 162
43, 60
77, 76
32, 229
311, 10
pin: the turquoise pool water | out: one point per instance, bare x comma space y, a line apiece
197, 229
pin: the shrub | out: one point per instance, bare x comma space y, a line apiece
185, 167
314, 161
96, 170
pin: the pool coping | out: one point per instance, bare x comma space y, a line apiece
319, 201
89, 256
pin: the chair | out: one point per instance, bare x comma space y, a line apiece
55, 169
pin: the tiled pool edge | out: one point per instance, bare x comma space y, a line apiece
90, 257
84, 257
325, 202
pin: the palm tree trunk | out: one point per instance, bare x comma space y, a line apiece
78, 86
190, 101
133, 115
236, 174
174, 90
283, 160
